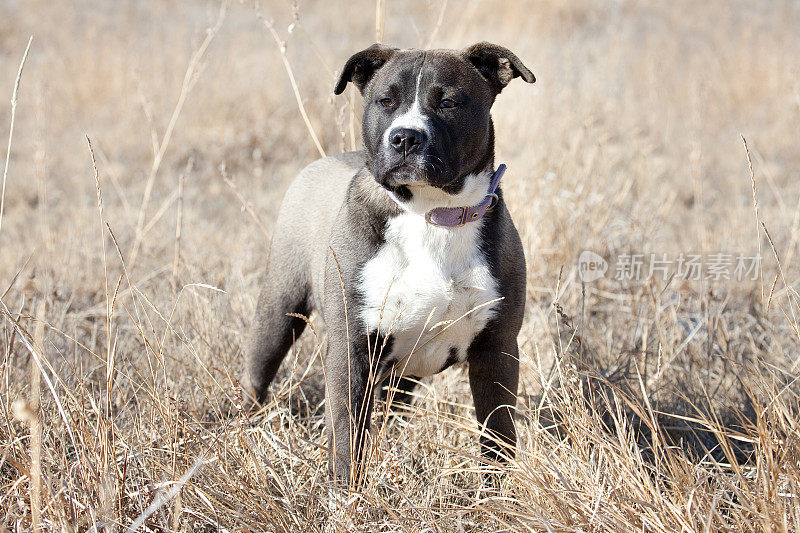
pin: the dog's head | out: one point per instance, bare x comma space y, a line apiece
426, 113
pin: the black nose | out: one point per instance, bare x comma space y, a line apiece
406, 141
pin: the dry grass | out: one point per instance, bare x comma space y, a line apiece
645, 406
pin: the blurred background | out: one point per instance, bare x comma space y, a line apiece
630, 141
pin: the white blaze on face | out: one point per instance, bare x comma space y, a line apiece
412, 119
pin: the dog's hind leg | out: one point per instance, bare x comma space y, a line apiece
400, 390
274, 330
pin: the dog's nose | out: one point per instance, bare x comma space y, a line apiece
406, 140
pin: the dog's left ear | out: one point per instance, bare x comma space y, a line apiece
362, 65
497, 64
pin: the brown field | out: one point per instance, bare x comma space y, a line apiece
645, 405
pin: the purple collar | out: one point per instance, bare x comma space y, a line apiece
455, 217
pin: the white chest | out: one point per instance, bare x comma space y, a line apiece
431, 290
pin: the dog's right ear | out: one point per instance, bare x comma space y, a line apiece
362, 65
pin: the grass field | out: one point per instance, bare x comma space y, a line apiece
661, 403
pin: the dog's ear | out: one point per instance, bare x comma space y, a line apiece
362, 65
497, 64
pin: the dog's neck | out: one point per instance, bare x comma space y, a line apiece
454, 210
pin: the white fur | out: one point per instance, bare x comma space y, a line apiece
424, 197
421, 278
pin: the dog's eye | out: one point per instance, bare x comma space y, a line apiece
386, 102
447, 103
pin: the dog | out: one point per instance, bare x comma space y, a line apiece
405, 248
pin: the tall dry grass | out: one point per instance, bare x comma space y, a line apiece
129, 268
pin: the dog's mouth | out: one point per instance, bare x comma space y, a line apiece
396, 180
404, 172
402, 177
405, 190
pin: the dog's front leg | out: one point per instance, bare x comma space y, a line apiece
349, 369
493, 378
350, 362
349, 385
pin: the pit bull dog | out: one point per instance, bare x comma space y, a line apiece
405, 248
